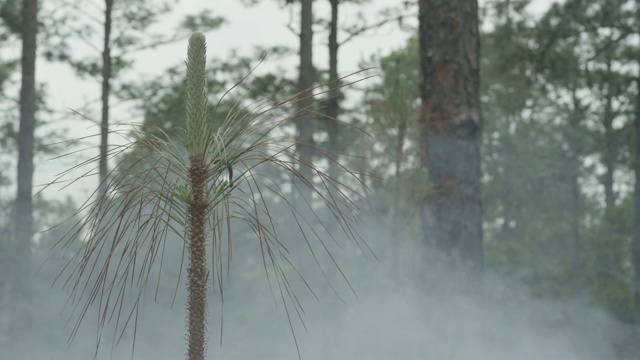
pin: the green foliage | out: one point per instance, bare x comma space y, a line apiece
609, 261
545, 84
392, 107
204, 20
10, 16
545, 102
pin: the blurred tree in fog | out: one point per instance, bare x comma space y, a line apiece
21, 291
392, 109
636, 190
21, 144
308, 124
533, 141
305, 120
584, 58
9, 28
335, 142
450, 130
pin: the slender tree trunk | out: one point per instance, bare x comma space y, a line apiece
106, 90
576, 209
332, 104
399, 115
450, 128
609, 154
576, 243
509, 209
636, 202
399, 156
21, 318
305, 119
636, 198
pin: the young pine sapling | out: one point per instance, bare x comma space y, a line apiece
196, 186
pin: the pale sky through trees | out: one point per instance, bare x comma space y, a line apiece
262, 25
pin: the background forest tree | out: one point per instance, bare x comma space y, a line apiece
559, 156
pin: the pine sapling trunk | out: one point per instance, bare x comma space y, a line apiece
197, 272
197, 204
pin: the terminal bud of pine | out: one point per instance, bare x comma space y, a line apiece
197, 126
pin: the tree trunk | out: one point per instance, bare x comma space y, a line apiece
510, 208
305, 118
332, 104
450, 129
576, 243
197, 271
576, 209
636, 198
399, 157
609, 155
197, 205
21, 319
106, 89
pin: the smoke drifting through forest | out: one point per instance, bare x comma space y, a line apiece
398, 314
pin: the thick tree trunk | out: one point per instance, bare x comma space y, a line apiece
332, 103
21, 318
305, 118
106, 90
450, 128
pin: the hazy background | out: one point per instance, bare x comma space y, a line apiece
408, 303
395, 315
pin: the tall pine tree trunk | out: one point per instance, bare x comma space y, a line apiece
332, 103
450, 129
609, 152
22, 303
574, 161
576, 242
106, 89
636, 198
305, 118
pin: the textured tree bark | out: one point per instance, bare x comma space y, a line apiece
450, 128
21, 318
197, 271
106, 90
305, 118
198, 203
